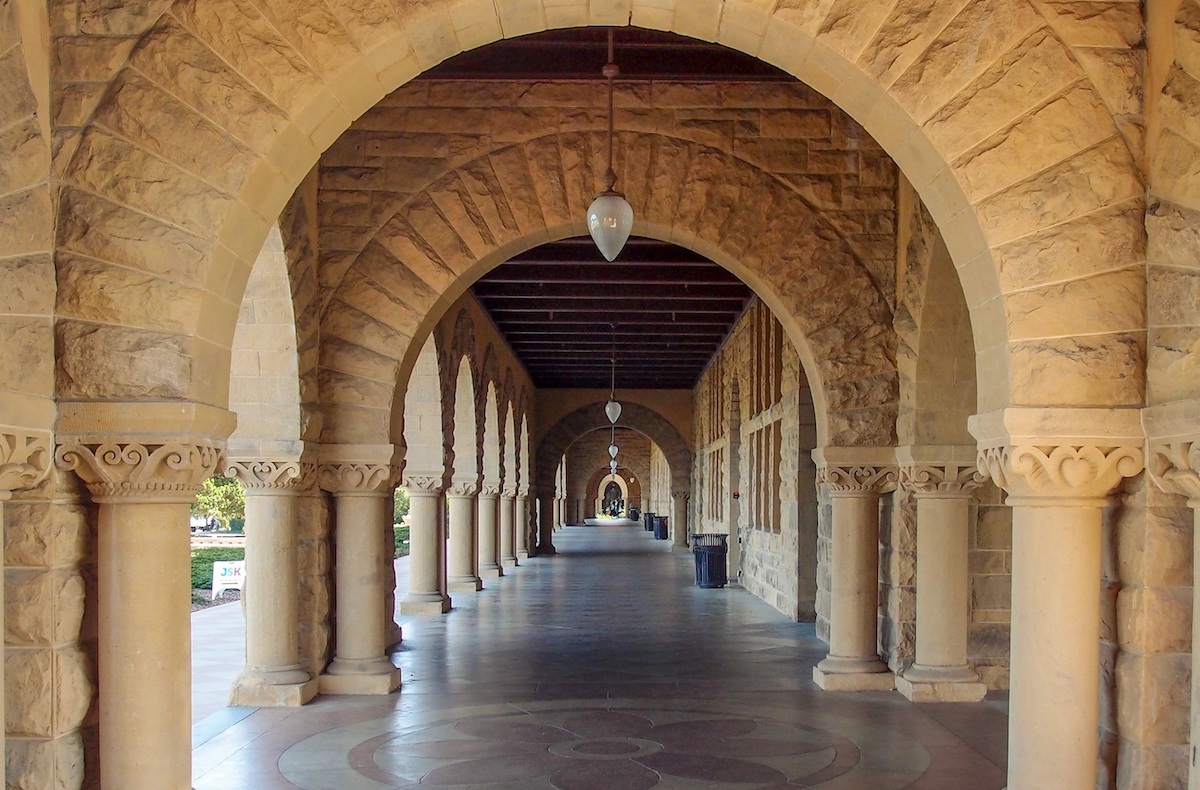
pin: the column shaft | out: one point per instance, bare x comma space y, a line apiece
940, 673
463, 550
521, 526
272, 676
508, 556
360, 666
489, 536
1053, 705
145, 651
853, 662
546, 525
427, 562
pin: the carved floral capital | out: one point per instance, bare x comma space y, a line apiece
269, 476
857, 479
429, 485
25, 460
170, 471
680, 494
509, 492
462, 489
1067, 472
356, 478
1175, 468
947, 480
489, 490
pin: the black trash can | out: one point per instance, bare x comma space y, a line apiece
634, 514
710, 551
660, 528
648, 519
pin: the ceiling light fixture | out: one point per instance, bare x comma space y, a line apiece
610, 217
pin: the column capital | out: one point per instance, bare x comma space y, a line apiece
423, 483
856, 471
462, 488
1175, 467
941, 480
25, 458
125, 469
1075, 474
1077, 456
349, 478
266, 476
508, 492
489, 489
680, 494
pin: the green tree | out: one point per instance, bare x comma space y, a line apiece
400, 505
222, 498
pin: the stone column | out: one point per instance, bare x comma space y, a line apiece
24, 462
362, 499
546, 525
940, 673
521, 523
144, 490
489, 533
679, 525
273, 676
508, 536
427, 553
1057, 489
461, 575
1176, 468
853, 662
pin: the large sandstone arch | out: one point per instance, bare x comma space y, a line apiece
589, 418
981, 137
482, 213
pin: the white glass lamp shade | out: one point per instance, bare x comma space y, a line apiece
610, 221
612, 410
612, 451
612, 465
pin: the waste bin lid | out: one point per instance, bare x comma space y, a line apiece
710, 540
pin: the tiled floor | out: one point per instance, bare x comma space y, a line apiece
604, 668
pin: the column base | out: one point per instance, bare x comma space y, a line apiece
547, 550
251, 692
680, 549
491, 573
509, 562
361, 685
425, 603
940, 684
394, 636
522, 554
853, 674
360, 676
467, 585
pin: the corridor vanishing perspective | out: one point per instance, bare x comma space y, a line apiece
606, 668
909, 315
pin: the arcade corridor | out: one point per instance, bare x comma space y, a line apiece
603, 667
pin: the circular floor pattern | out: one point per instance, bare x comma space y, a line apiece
603, 745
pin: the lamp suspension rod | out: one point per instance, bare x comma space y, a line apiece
610, 71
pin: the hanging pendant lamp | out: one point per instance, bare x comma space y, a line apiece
612, 409
610, 217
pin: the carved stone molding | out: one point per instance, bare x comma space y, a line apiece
1175, 468
170, 471
462, 489
856, 480
489, 490
429, 485
25, 459
508, 492
269, 476
680, 494
356, 478
1067, 472
946, 480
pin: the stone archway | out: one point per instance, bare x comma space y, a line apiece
589, 418
981, 149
